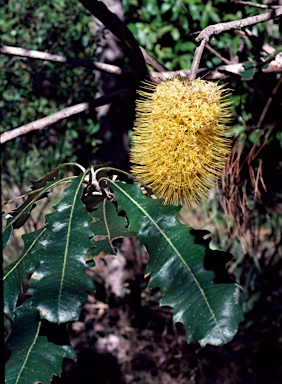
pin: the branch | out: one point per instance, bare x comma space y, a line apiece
211, 30
221, 72
214, 52
118, 28
218, 73
274, 65
263, 6
237, 24
67, 112
150, 60
108, 68
197, 58
265, 49
14, 51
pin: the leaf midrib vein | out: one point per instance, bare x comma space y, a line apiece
177, 253
24, 255
28, 352
67, 245
106, 225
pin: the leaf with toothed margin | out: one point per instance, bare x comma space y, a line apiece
209, 311
15, 273
34, 359
59, 285
106, 226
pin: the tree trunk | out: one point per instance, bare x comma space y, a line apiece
115, 119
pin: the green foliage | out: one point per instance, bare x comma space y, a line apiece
15, 273
107, 226
58, 285
57, 252
165, 28
54, 257
53, 260
33, 89
209, 311
34, 358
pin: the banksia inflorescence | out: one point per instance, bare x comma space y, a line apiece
179, 145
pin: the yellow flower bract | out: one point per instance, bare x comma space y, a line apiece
179, 145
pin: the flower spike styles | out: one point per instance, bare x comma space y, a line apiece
180, 144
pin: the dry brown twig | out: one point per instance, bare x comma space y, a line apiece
214, 52
150, 60
234, 197
216, 73
256, 5
67, 112
38, 55
108, 68
205, 35
266, 49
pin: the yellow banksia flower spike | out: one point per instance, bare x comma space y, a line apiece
180, 143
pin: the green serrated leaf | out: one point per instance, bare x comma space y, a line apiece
34, 358
59, 284
209, 311
15, 273
106, 226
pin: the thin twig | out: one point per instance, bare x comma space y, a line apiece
262, 6
67, 112
213, 51
265, 48
197, 59
211, 30
237, 24
216, 73
219, 73
150, 60
269, 101
32, 54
